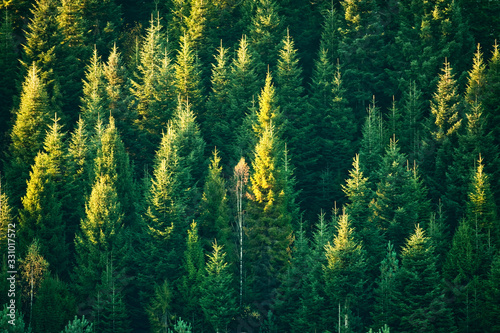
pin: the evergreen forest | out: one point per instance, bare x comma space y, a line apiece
249, 166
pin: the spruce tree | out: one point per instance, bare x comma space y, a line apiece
265, 32
373, 140
270, 213
217, 123
99, 240
412, 111
41, 216
112, 160
9, 70
344, 275
153, 88
491, 100
31, 119
422, 301
492, 293
214, 210
188, 76
94, 101
6, 218
401, 200
387, 292
190, 284
218, 299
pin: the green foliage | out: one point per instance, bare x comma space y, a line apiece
373, 139
41, 216
27, 133
9, 70
78, 326
344, 274
19, 325
214, 212
53, 307
160, 307
93, 102
218, 299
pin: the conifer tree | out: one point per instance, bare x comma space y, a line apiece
401, 200
191, 282
492, 293
385, 311
218, 299
99, 240
53, 306
41, 216
491, 100
188, 76
27, 134
153, 88
94, 101
373, 140
344, 275
270, 213
422, 301
160, 306
214, 213
412, 110
266, 31
112, 160
9, 70
78, 326
445, 121
217, 123
6, 217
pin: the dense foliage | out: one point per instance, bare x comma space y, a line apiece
254, 165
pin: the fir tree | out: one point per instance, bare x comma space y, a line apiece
153, 88
422, 301
100, 238
492, 293
188, 76
218, 299
191, 282
266, 31
78, 326
373, 140
214, 213
94, 101
217, 124
6, 218
41, 216
27, 134
385, 311
9, 70
412, 110
344, 275
160, 307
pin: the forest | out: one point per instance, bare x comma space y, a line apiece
249, 166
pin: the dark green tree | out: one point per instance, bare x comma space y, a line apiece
422, 302
492, 293
188, 76
373, 140
214, 210
218, 299
153, 89
387, 292
344, 275
78, 326
93, 102
266, 31
190, 287
9, 70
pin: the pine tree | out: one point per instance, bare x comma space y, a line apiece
385, 311
112, 160
9, 70
344, 275
265, 32
270, 212
214, 212
422, 301
78, 326
153, 88
188, 76
218, 299
373, 140
41, 216
217, 125
100, 239
191, 282
53, 307
94, 101
401, 200
27, 134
